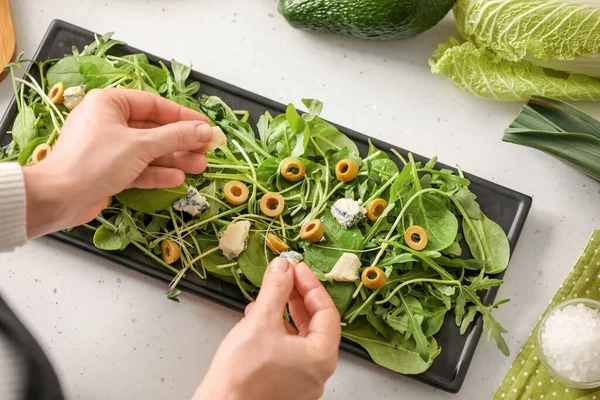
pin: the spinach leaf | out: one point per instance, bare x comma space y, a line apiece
433, 323
341, 293
107, 239
398, 354
431, 212
266, 173
328, 137
158, 76
322, 259
24, 128
314, 106
91, 71
65, 71
495, 249
26, 153
384, 167
211, 261
453, 250
401, 188
151, 200
254, 260
157, 225
98, 72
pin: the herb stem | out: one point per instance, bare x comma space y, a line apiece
158, 260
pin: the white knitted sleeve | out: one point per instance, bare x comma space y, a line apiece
13, 229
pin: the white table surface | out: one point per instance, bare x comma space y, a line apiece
111, 333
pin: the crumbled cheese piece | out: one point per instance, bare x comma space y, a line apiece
571, 342
292, 256
234, 239
347, 212
73, 96
219, 139
345, 269
194, 203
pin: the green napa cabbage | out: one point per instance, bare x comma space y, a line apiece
485, 73
558, 34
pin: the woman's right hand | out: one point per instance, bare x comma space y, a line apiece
264, 357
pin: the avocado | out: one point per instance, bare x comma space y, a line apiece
366, 19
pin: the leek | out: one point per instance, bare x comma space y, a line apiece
560, 130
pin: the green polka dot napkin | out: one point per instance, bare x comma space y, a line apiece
527, 379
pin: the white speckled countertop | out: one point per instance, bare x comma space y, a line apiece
111, 333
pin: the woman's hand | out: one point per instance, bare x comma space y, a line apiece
264, 357
114, 140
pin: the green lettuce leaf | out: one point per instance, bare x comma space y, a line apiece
537, 30
485, 74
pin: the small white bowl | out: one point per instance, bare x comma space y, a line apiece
555, 374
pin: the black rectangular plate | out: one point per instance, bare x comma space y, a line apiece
507, 207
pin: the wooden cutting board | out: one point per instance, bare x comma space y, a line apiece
7, 37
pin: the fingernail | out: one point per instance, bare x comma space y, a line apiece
279, 265
204, 133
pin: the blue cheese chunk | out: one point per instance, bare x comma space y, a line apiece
292, 256
73, 96
194, 203
233, 240
345, 269
347, 212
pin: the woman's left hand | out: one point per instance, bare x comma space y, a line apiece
114, 140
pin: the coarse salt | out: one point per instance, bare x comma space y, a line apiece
571, 342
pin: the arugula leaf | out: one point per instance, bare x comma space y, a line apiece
468, 201
468, 318
414, 326
459, 309
216, 109
101, 45
377, 319
494, 329
181, 73
151, 200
